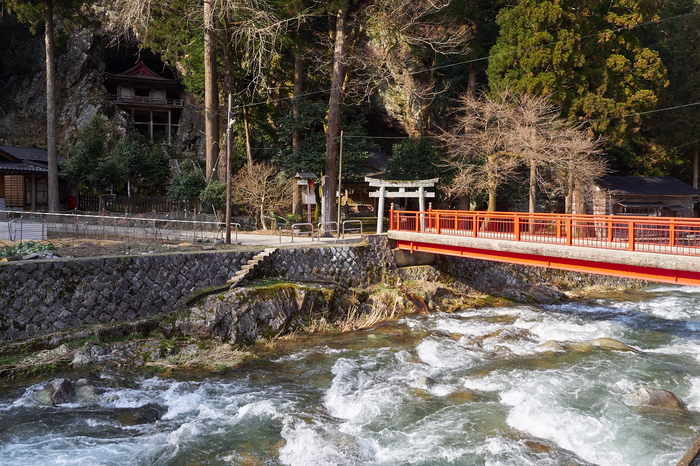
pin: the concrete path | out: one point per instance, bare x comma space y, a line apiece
172, 235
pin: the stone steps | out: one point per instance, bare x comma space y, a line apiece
256, 260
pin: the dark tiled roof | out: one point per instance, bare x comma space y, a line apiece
25, 153
646, 185
28, 154
23, 167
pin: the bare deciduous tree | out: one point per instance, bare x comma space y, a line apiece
480, 146
498, 132
260, 187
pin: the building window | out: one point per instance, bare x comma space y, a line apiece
14, 190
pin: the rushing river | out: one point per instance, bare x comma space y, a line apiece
362, 398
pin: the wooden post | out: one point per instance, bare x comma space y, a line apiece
569, 229
516, 227
33, 191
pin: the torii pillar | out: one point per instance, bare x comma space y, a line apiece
421, 194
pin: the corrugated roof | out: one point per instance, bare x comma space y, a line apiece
646, 186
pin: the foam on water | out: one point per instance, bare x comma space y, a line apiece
363, 401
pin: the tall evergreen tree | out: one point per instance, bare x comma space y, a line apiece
587, 55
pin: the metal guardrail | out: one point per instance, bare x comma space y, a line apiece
670, 235
326, 227
352, 229
295, 227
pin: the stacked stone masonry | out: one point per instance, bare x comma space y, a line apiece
344, 265
41, 297
38, 297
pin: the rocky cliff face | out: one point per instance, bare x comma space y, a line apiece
81, 95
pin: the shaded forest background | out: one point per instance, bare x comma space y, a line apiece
625, 73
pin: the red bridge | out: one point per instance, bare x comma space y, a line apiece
661, 249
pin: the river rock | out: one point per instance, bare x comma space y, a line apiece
549, 346
426, 383
657, 398
580, 346
57, 392
611, 344
87, 395
143, 415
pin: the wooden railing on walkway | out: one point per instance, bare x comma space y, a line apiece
670, 235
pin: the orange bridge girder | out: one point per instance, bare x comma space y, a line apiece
658, 249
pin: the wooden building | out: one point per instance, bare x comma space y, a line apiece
152, 100
655, 196
24, 179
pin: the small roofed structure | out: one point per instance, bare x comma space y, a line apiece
24, 179
151, 99
655, 196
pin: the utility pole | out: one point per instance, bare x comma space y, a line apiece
340, 177
229, 124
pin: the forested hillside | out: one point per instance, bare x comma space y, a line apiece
591, 85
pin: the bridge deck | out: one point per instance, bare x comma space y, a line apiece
651, 248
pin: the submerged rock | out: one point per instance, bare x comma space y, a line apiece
87, 395
143, 415
609, 343
552, 346
658, 398
533, 295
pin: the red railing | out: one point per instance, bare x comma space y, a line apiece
671, 235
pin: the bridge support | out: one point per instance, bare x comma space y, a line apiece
615, 269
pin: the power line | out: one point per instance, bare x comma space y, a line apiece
475, 60
646, 113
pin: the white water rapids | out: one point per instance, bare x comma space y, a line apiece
362, 398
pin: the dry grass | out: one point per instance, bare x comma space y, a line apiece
221, 357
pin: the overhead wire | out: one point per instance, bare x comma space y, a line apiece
474, 60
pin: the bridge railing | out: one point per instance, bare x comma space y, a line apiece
671, 235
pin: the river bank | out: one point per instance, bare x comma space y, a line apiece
178, 341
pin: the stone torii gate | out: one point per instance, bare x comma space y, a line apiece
421, 194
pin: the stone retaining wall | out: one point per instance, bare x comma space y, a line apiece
38, 297
488, 276
344, 265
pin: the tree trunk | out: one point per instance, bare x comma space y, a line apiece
334, 113
296, 135
211, 93
570, 194
492, 198
262, 214
471, 83
532, 201
532, 196
695, 169
248, 151
51, 146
